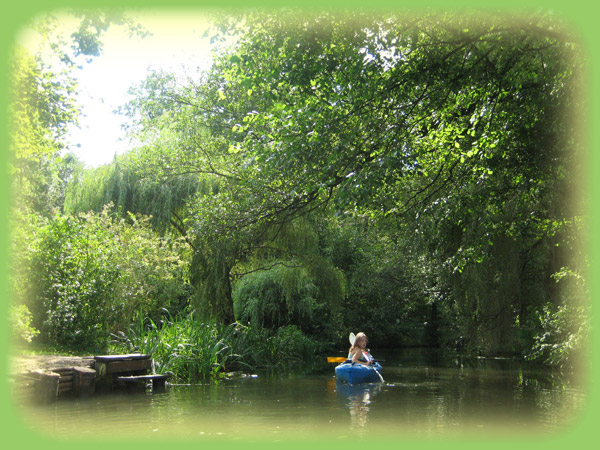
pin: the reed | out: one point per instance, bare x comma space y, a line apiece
197, 351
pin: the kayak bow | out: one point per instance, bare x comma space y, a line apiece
353, 373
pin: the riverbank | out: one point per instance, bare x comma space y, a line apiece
27, 363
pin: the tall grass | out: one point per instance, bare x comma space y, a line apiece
204, 350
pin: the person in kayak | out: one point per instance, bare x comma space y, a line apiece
359, 353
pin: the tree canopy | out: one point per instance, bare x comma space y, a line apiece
433, 119
421, 168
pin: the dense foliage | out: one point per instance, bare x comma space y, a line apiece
415, 178
94, 273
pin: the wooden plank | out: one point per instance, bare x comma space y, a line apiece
145, 377
25, 377
84, 382
158, 380
111, 358
85, 371
65, 386
41, 373
133, 365
62, 370
47, 385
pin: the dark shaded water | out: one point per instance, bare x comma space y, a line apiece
424, 394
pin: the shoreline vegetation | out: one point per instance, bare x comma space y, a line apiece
195, 350
198, 351
21, 362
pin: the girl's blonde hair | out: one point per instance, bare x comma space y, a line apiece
357, 338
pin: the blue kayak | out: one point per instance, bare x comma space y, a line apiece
358, 373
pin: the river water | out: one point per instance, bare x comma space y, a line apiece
423, 395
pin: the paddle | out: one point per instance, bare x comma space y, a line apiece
336, 359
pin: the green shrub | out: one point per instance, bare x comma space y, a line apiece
562, 337
562, 332
21, 320
94, 272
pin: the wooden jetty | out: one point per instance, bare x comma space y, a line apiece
106, 373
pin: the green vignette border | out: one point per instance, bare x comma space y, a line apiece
578, 13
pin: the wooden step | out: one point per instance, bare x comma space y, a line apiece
111, 358
151, 377
158, 380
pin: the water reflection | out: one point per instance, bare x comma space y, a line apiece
357, 399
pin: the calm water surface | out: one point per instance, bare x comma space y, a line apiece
423, 395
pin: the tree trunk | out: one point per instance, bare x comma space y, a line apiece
211, 276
